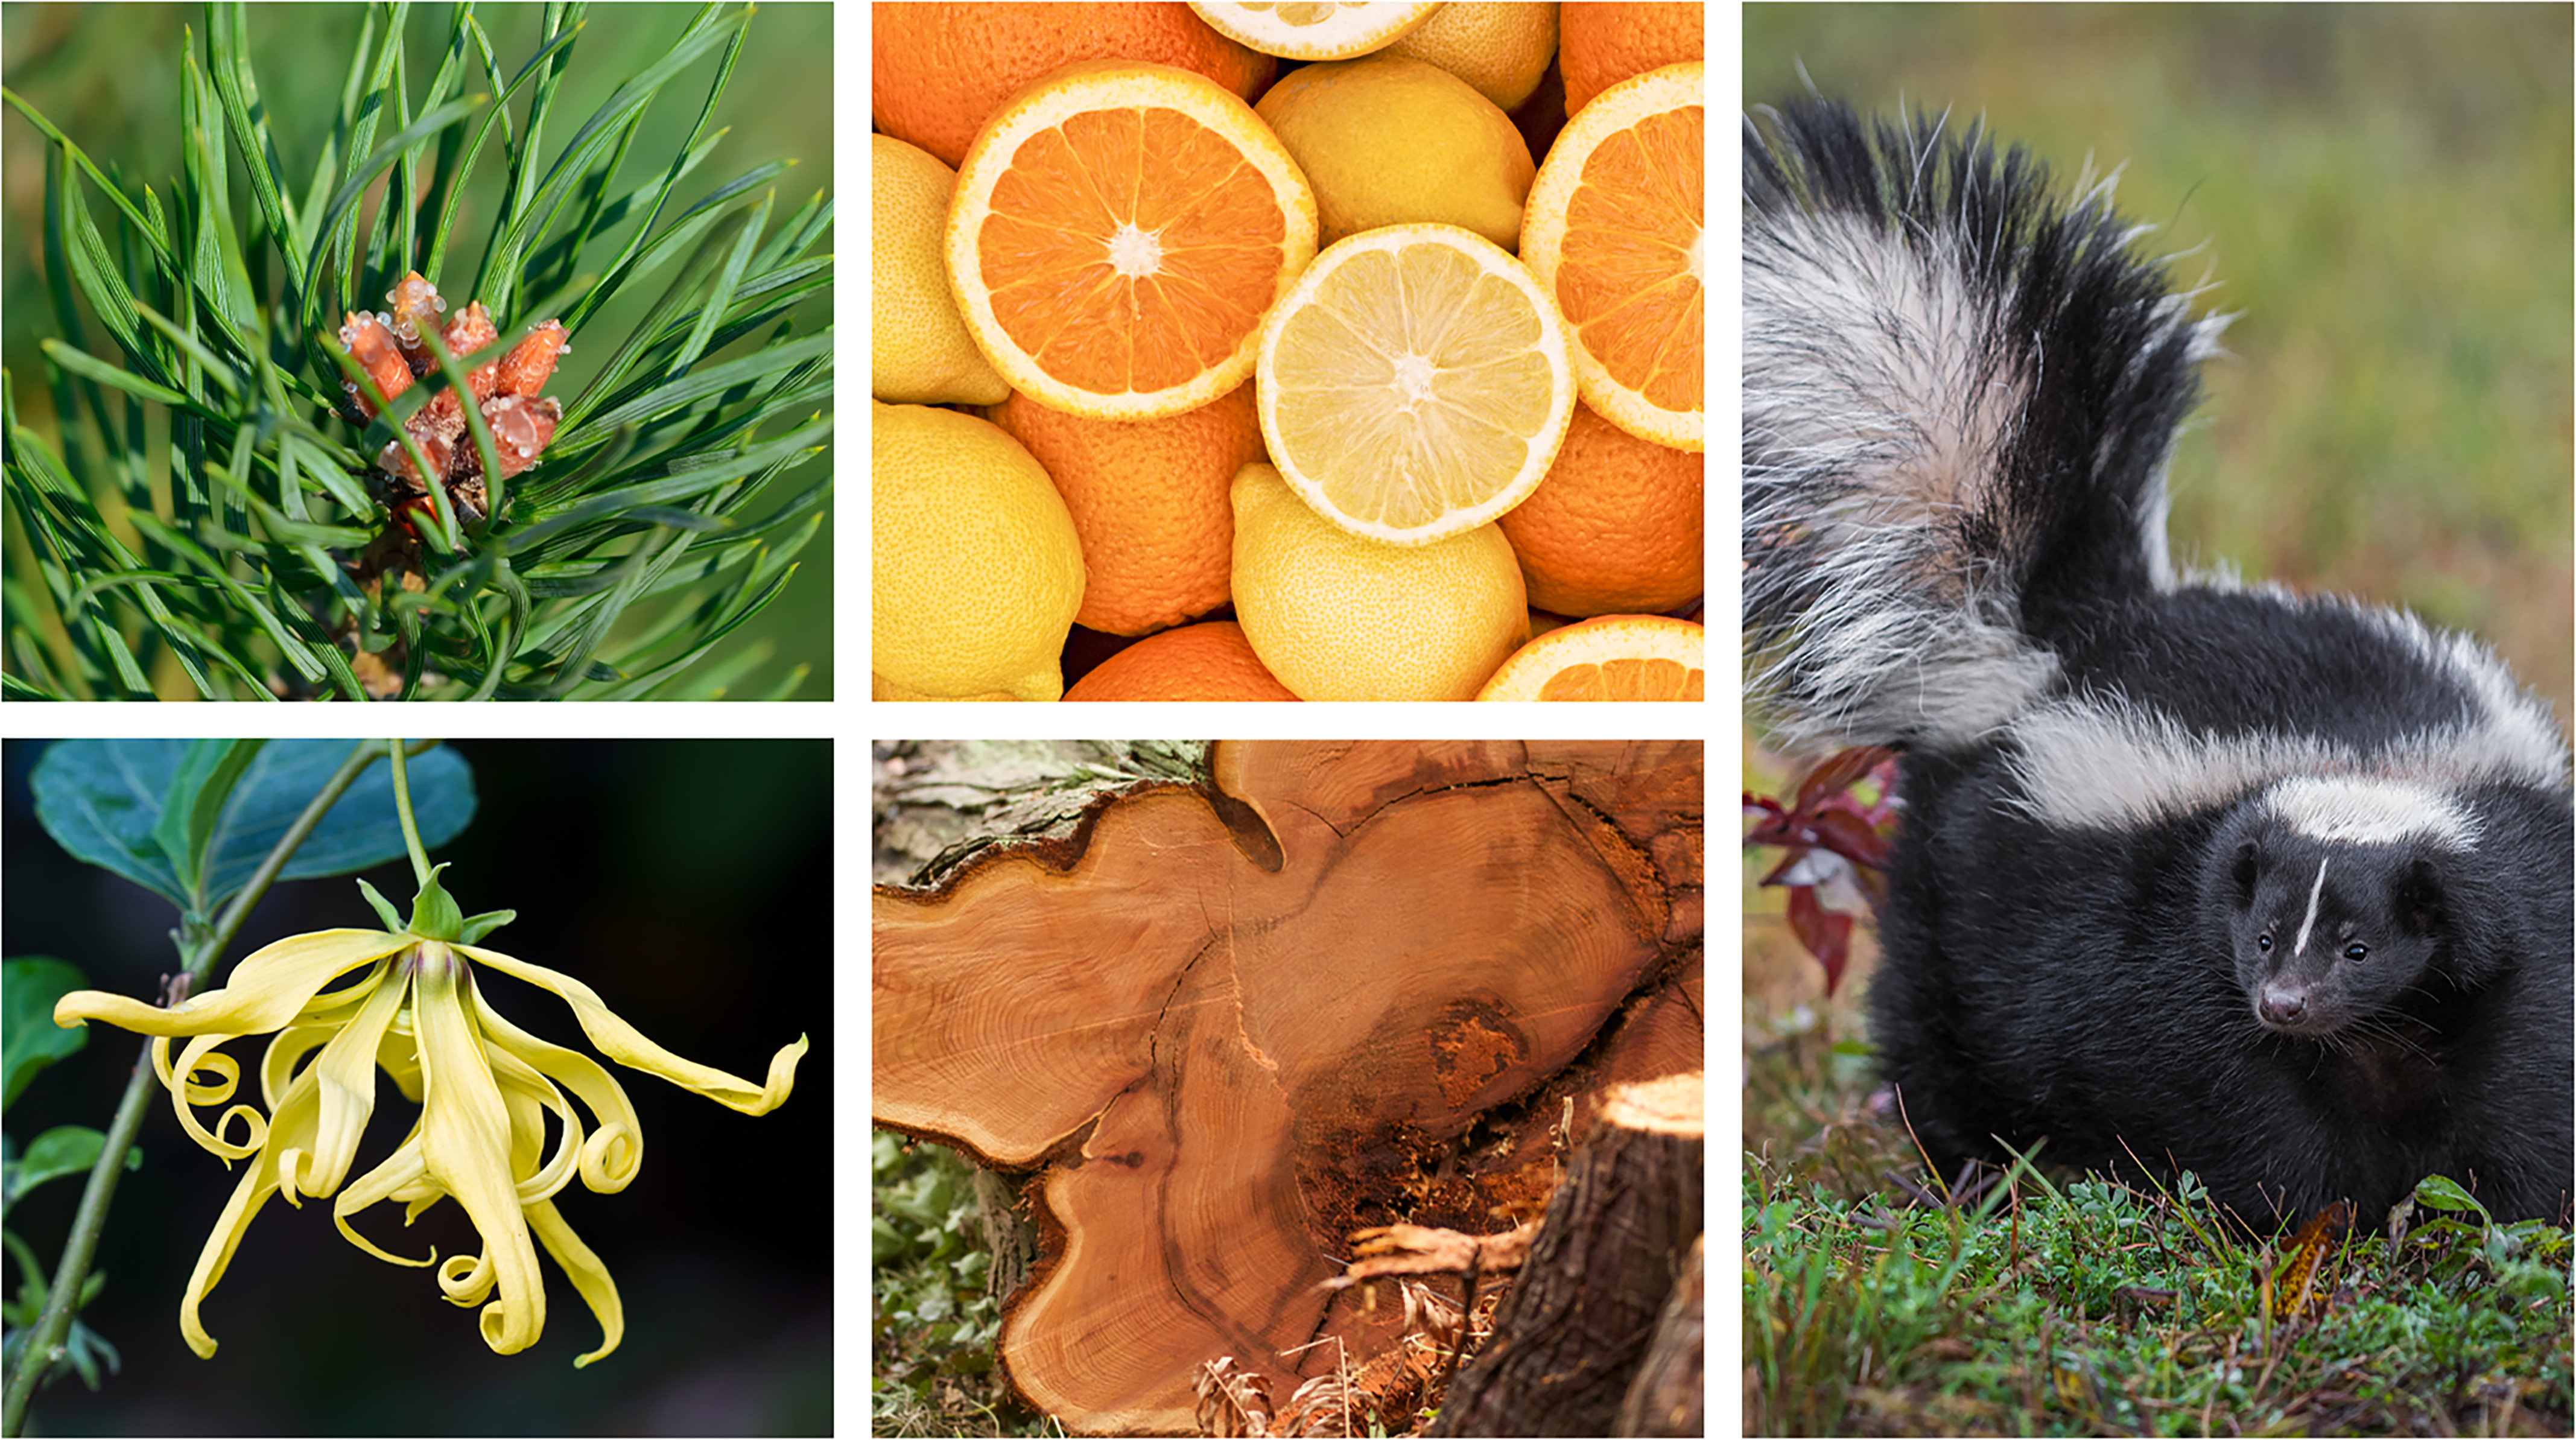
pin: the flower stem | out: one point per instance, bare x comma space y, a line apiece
402, 806
45, 1345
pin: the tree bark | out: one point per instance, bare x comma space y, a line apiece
1670, 1394
1335, 986
1571, 1338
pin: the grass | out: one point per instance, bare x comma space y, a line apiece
189, 516
2087, 1308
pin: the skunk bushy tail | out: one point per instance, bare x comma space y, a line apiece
1959, 394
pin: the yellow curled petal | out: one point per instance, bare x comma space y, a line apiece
610, 1158
185, 1091
627, 1045
264, 993
346, 1084
465, 1143
401, 1171
589, 1276
292, 1128
530, 1095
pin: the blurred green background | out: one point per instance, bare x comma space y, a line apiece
690, 883
107, 75
2383, 194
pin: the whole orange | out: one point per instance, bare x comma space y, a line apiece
1616, 528
940, 71
1150, 501
1211, 661
1600, 45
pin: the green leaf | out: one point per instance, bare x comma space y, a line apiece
101, 799
207, 773
33, 1041
63, 1150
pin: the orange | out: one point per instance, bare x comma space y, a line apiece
1599, 45
1119, 234
1149, 499
1196, 662
1617, 527
940, 71
1612, 657
1612, 229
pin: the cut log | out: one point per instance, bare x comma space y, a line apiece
1570, 1340
1338, 986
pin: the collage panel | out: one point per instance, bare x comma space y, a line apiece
2158, 980
1253, 352
418, 353
1288, 1087
438, 1007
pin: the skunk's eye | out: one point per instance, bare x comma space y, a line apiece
2263, 942
2356, 951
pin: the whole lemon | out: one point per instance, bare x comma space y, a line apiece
1339, 617
1499, 46
977, 572
1389, 141
918, 345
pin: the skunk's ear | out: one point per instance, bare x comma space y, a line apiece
2242, 870
2416, 896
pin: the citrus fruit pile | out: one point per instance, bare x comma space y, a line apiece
1311, 351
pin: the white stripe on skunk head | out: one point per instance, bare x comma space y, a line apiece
2364, 811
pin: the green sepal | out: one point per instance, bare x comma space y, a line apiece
478, 926
434, 914
384, 908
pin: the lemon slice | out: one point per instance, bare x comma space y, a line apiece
1119, 233
1613, 227
1614, 657
1415, 383
1315, 31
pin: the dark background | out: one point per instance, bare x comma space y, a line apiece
689, 882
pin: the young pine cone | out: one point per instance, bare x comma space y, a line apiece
392, 348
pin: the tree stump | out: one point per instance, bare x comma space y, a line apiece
1587, 1312
1336, 985
1669, 1396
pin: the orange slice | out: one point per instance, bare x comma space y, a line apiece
1119, 233
1615, 657
1415, 384
1613, 228
1315, 31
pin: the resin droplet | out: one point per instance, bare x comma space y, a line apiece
471, 330
374, 348
521, 429
415, 305
531, 362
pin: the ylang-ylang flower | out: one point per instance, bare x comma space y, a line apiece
483, 1084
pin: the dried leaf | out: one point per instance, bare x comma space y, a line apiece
1233, 1401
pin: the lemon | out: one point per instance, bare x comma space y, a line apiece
1390, 141
977, 572
1417, 382
1313, 31
1499, 46
918, 346
1338, 617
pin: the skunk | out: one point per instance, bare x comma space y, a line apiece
2193, 875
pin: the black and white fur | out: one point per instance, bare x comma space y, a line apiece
2192, 875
